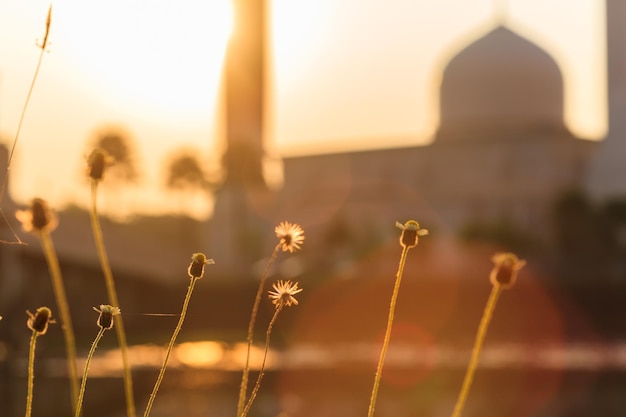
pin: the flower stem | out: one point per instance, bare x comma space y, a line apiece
255, 309
480, 336
64, 311
113, 300
262, 371
383, 352
170, 346
83, 384
31, 373
5, 180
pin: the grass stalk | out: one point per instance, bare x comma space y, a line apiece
170, 346
64, 311
250, 336
478, 343
5, 180
113, 300
31, 373
255, 390
83, 384
383, 352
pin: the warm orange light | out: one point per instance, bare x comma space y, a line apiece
167, 56
200, 354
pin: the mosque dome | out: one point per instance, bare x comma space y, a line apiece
501, 81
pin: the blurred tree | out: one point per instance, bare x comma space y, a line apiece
185, 172
583, 239
502, 233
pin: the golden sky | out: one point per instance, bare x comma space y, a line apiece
343, 75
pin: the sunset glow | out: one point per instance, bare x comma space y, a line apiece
166, 55
340, 76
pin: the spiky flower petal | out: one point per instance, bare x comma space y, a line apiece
283, 293
290, 235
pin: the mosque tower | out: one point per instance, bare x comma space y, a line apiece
607, 173
244, 88
234, 230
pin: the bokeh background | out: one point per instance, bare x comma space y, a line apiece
498, 125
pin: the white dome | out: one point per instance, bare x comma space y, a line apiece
501, 81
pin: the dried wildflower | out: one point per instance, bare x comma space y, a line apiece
410, 232
196, 267
291, 236
506, 266
39, 321
105, 320
97, 162
283, 293
38, 218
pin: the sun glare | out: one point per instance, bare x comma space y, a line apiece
160, 54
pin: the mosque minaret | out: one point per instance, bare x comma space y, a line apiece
607, 171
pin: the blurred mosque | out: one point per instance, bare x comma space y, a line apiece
502, 153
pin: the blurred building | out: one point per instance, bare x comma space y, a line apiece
607, 171
502, 153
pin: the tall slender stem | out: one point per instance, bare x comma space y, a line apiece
249, 338
5, 180
113, 300
170, 346
83, 384
383, 352
478, 343
31, 373
64, 311
262, 371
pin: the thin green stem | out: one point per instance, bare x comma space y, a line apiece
383, 352
31, 373
262, 371
249, 339
64, 311
83, 385
478, 343
170, 346
113, 300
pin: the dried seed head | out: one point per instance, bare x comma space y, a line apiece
105, 320
410, 232
196, 267
44, 43
97, 162
38, 218
39, 321
283, 293
506, 266
290, 235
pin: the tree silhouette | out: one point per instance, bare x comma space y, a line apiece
185, 172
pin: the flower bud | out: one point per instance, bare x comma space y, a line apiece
97, 163
105, 320
39, 321
410, 232
506, 266
196, 267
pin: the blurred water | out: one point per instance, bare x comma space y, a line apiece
203, 380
